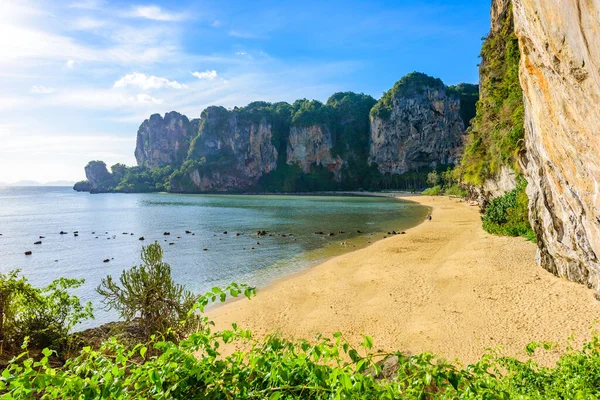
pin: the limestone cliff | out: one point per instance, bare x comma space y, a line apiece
311, 145
560, 76
416, 124
231, 151
164, 141
98, 177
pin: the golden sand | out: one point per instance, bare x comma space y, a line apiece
446, 286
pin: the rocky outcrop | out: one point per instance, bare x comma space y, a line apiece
311, 145
560, 76
417, 124
98, 177
232, 150
164, 141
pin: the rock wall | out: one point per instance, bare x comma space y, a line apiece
234, 151
560, 76
98, 177
164, 141
421, 127
311, 145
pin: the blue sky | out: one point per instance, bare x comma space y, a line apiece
79, 76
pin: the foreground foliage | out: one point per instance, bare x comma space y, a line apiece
148, 294
42, 316
198, 367
275, 368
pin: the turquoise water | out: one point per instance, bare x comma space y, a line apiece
105, 223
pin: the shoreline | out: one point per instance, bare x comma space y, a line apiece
446, 287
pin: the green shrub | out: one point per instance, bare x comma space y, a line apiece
149, 295
433, 191
456, 190
508, 214
45, 316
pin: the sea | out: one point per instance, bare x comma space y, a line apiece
103, 231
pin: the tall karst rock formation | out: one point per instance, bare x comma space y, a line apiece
560, 76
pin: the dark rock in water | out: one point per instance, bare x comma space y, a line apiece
75, 231
319, 233
193, 234
93, 233
204, 249
188, 232
106, 233
261, 233
257, 242
131, 234
125, 233
55, 260
96, 237
389, 233
331, 234
171, 244
62, 233
106, 260
403, 233
178, 237
225, 233
142, 238
429, 218
38, 242
42, 237
252, 248
76, 234
237, 234
341, 232
166, 233
28, 253
357, 231
394, 233
284, 235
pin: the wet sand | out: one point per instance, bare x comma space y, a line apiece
446, 286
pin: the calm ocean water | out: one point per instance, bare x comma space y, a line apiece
118, 220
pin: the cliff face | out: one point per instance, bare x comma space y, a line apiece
416, 124
98, 177
560, 76
164, 141
304, 146
312, 145
232, 150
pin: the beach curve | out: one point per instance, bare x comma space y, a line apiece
446, 286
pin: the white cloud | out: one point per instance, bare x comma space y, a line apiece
147, 82
155, 13
87, 4
209, 75
144, 98
242, 34
216, 23
70, 64
87, 23
41, 89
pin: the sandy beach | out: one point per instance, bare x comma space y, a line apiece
446, 286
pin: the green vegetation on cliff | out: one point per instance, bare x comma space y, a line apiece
495, 136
